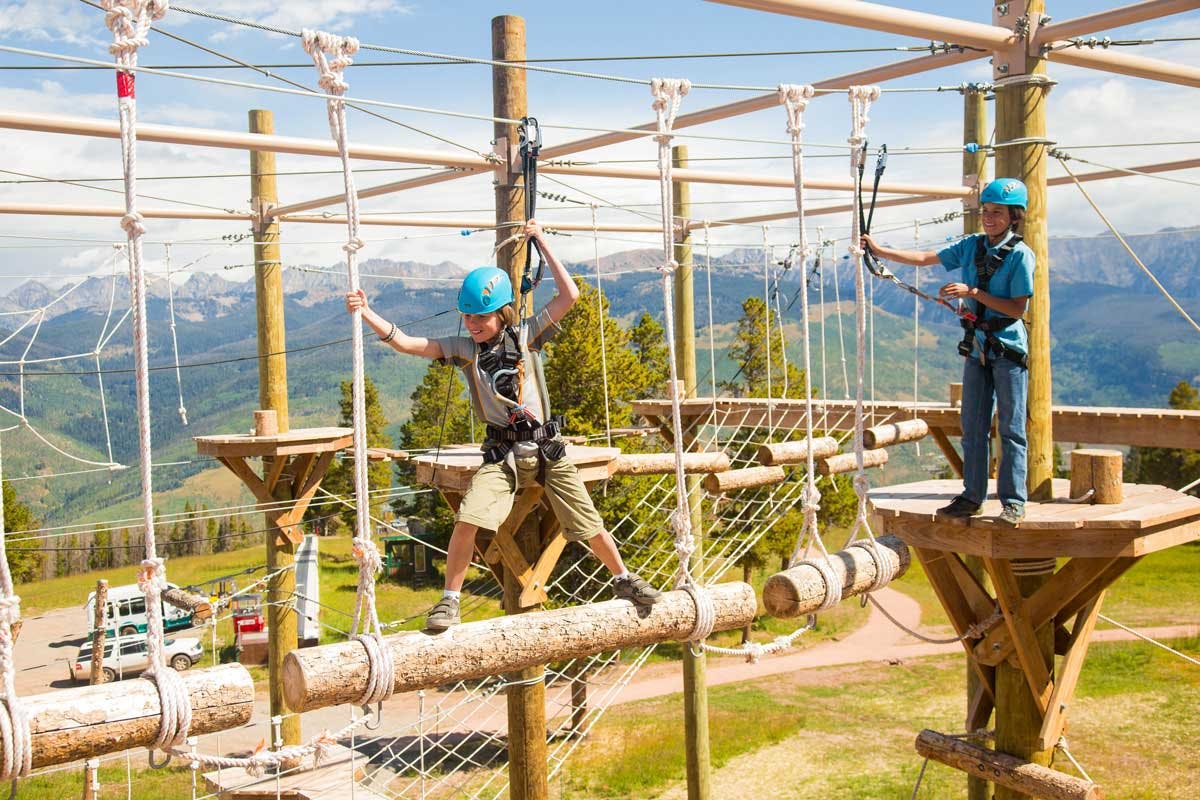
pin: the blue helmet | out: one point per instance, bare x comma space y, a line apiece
1005, 192
484, 290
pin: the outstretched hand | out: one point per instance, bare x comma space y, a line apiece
356, 301
533, 230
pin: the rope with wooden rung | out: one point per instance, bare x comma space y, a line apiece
886, 563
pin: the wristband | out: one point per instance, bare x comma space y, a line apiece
391, 334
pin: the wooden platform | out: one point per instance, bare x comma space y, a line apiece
333, 780
1144, 427
1151, 518
453, 468
294, 442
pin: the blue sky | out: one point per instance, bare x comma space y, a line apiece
1086, 108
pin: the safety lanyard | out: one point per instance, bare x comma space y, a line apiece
866, 215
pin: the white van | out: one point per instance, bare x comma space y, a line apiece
126, 611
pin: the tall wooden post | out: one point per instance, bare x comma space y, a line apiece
272, 396
974, 170
526, 696
695, 686
1021, 116
98, 633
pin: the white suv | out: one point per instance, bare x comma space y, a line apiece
131, 657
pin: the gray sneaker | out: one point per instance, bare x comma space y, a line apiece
636, 589
443, 615
1012, 514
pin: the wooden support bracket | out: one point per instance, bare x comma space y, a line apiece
1022, 631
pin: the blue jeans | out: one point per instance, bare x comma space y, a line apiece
1004, 385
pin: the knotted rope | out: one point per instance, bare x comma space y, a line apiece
668, 93
886, 563
15, 735
130, 21
331, 55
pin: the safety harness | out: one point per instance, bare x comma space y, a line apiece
986, 265
502, 362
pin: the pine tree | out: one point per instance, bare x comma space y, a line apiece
24, 561
339, 479
211, 533
575, 370
1164, 465
648, 341
100, 555
749, 354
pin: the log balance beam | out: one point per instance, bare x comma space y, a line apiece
90, 721
664, 463
1009, 771
333, 674
799, 591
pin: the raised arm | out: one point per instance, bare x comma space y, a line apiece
915, 258
568, 292
402, 342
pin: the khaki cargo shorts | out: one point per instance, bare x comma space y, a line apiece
489, 498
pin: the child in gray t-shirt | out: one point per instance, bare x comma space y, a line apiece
522, 446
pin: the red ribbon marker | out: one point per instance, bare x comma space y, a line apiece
125, 84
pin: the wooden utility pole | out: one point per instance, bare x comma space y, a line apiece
98, 633
695, 686
1021, 91
975, 131
272, 396
527, 779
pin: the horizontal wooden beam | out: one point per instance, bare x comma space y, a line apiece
51, 210
232, 140
1143, 427
374, 191
888, 19
800, 590
880, 74
1155, 69
464, 224
333, 674
1112, 18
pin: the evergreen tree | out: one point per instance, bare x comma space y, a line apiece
24, 561
648, 341
100, 555
339, 479
1165, 465
211, 532
224, 541
749, 354
441, 415
575, 370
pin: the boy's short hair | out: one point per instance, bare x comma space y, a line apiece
508, 315
1016, 215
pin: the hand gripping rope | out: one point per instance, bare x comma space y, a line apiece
886, 564
331, 55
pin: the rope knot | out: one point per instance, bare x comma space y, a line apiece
354, 245
10, 610
668, 267
366, 553
152, 575
795, 97
132, 224
754, 651
862, 485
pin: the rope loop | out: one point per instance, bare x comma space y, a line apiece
131, 223
706, 614
795, 97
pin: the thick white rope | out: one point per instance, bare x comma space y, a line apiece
130, 21
795, 100
174, 339
712, 342
600, 318
766, 250
331, 55
15, 735
668, 93
886, 562
916, 328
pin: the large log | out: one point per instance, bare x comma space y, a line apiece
800, 590
774, 453
337, 673
847, 462
1009, 771
907, 430
664, 463
89, 721
750, 478
1099, 471
199, 607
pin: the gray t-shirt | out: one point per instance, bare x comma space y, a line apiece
461, 351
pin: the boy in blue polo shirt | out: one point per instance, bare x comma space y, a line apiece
996, 282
